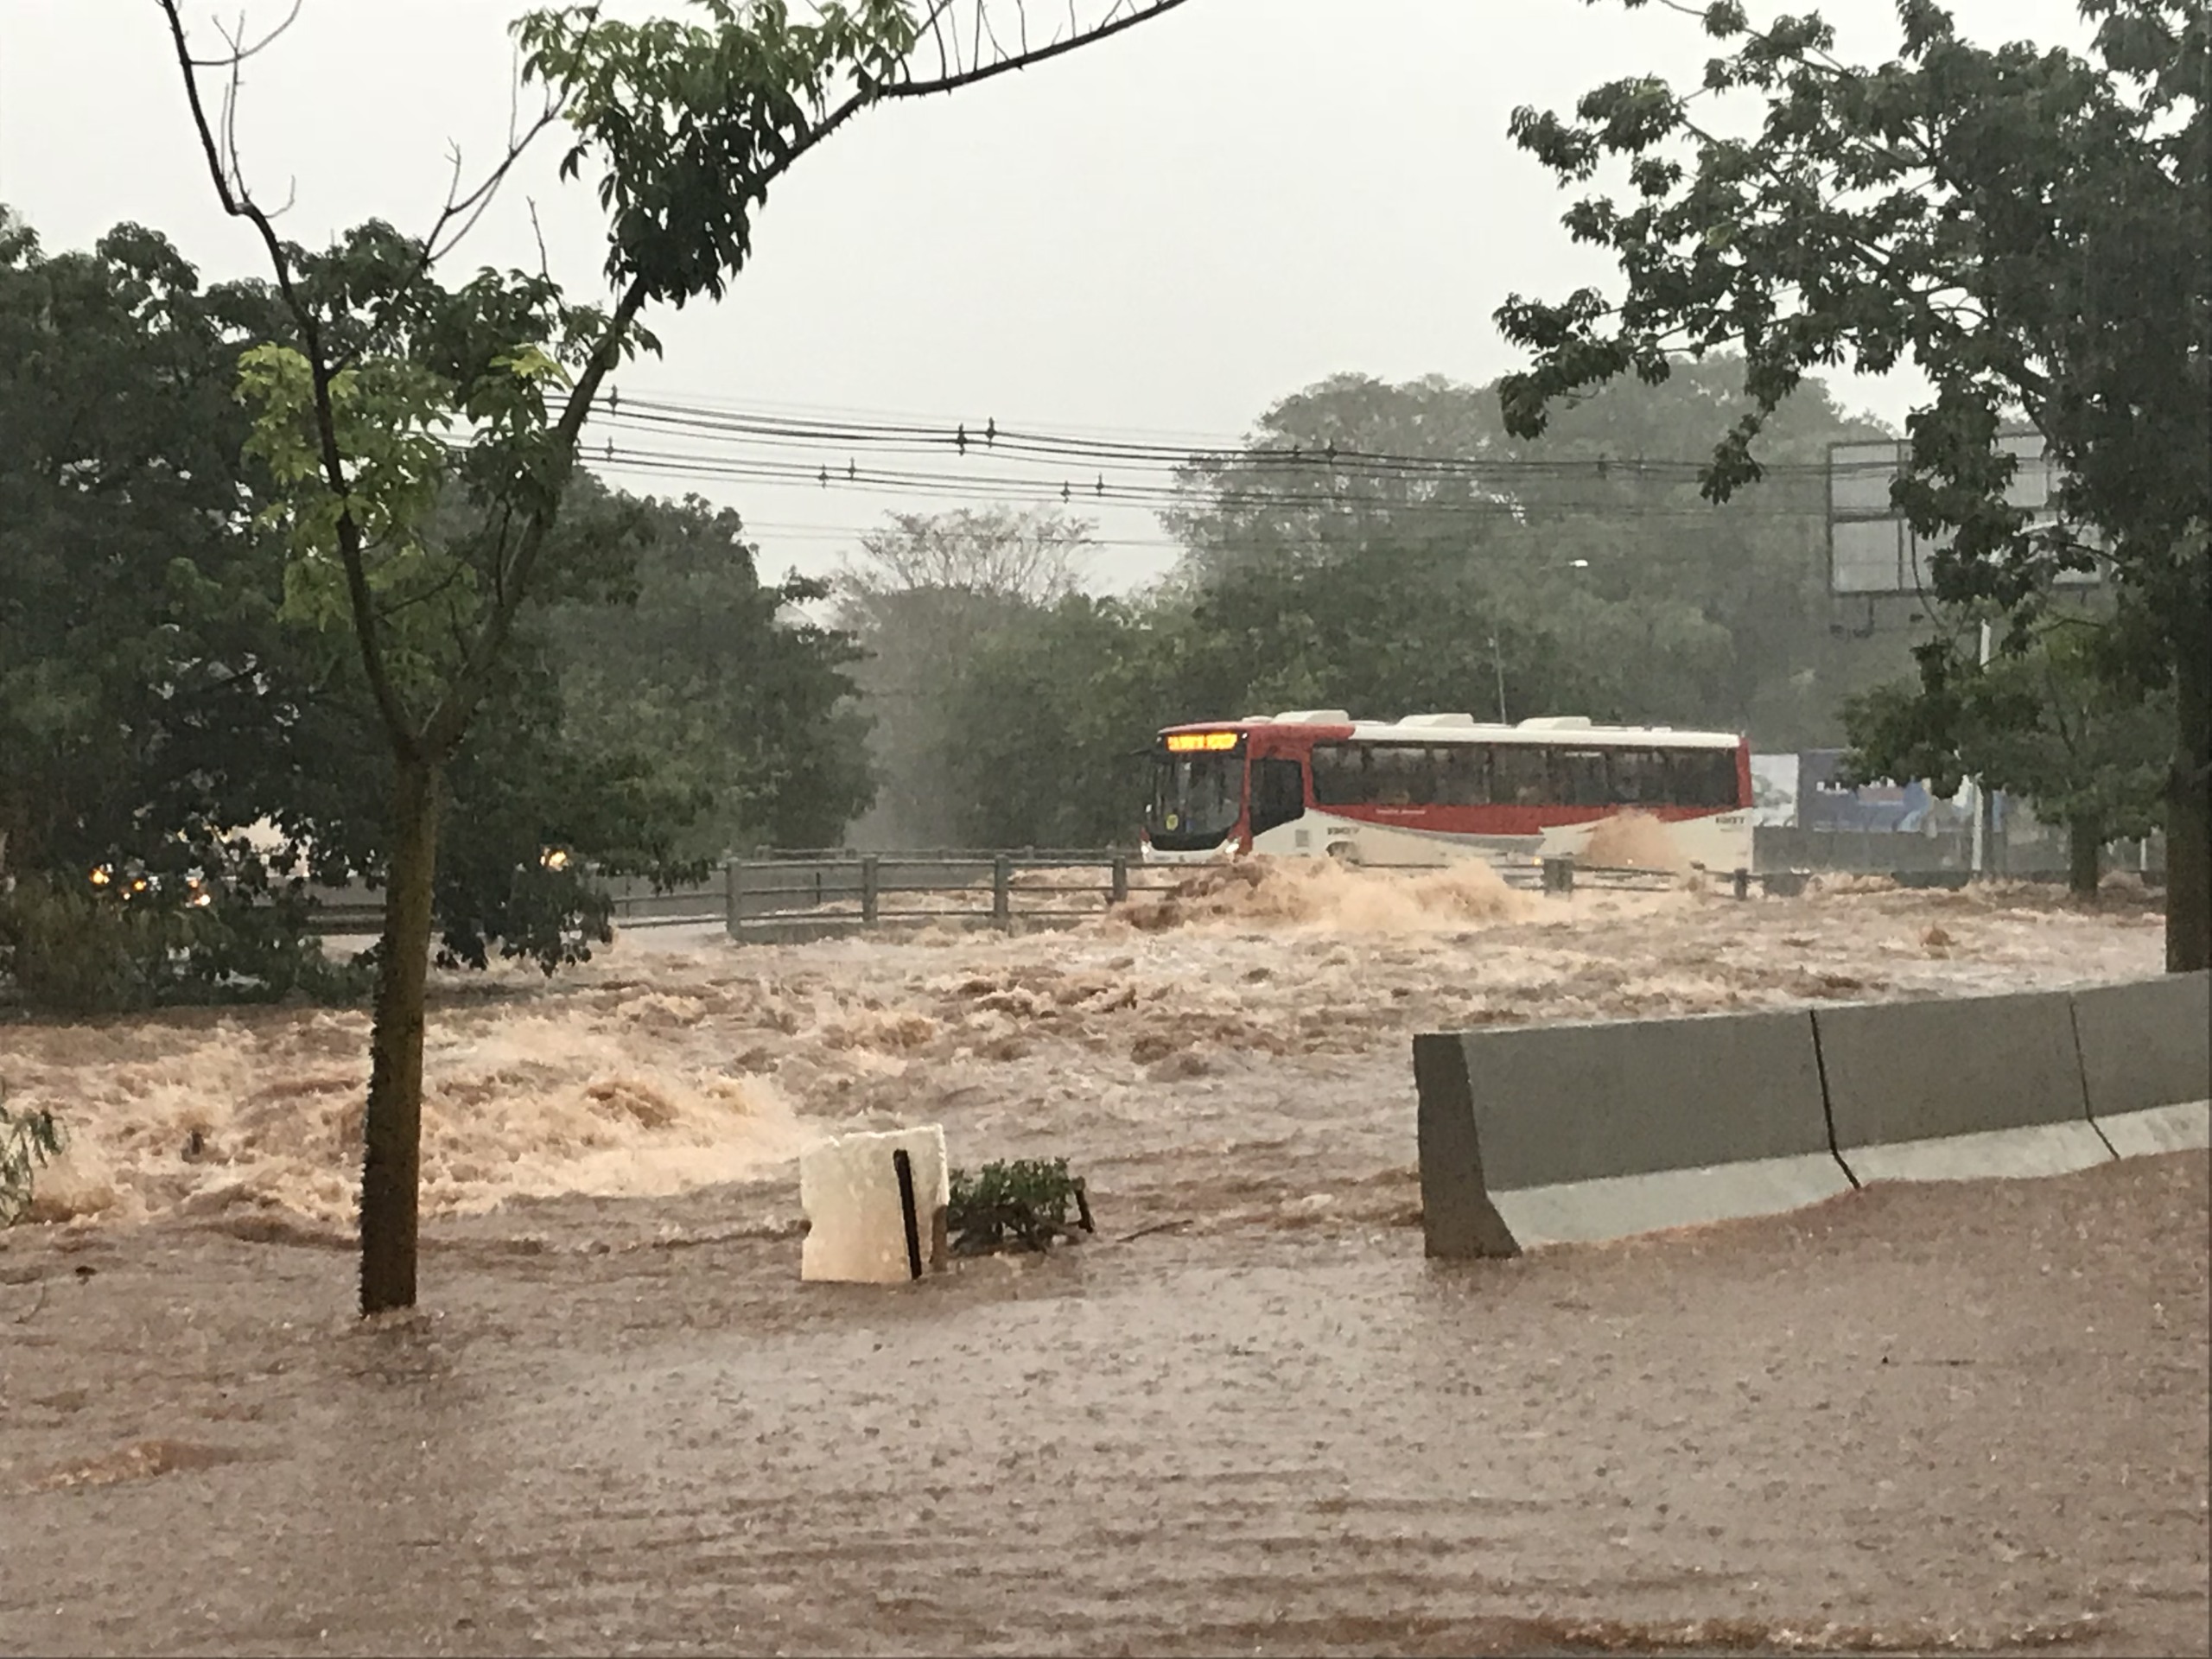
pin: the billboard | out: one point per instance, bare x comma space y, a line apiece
1774, 791
1873, 551
1908, 809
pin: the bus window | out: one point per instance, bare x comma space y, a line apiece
1339, 774
1579, 777
1639, 778
1196, 800
1278, 794
1703, 777
1462, 775
1517, 775
1400, 775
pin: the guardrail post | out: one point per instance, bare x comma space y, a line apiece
870, 886
1559, 875
1743, 884
1001, 893
1120, 895
729, 896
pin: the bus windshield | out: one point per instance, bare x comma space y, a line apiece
1196, 800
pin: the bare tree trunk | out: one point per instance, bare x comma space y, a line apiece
393, 1127
2085, 844
2189, 811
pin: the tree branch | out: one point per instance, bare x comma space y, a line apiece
238, 204
449, 721
460, 213
1116, 21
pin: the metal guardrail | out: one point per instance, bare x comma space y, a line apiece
875, 888
818, 892
678, 907
955, 855
785, 895
328, 918
1000, 891
787, 899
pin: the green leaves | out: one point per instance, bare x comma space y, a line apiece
175, 652
430, 400
375, 487
136, 596
2055, 725
1960, 206
1025, 1203
390, 417
740, 704
29, 1140
691, 122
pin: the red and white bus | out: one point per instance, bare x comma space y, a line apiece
1431, 788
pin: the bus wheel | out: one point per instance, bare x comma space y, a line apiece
1343, 852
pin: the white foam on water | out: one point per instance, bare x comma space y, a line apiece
265, 1111
1251, 1005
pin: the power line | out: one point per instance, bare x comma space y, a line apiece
961, 440
1070, 492
936, 421
872, 455
925, 461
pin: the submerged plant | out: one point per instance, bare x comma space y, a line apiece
1022, 1204
29, 1141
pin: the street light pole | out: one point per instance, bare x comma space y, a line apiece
1498, 661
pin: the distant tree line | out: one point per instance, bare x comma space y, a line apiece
1385, 549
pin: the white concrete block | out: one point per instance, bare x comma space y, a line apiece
857, 1229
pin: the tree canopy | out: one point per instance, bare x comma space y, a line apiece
2053, 726
922, 597
135, 621
726, 681
162, 691
2030, 227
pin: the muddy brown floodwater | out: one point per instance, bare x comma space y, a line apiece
1248, 1417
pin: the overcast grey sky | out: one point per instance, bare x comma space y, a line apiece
1160, 237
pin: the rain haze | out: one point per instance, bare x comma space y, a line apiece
1257, 1013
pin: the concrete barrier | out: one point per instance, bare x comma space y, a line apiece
1581, 1132
1951, 1089
2146, 1062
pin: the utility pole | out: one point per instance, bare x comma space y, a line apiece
1983, 807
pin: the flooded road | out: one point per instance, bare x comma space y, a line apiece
1244, 1045
1916, 1418
1248, 1417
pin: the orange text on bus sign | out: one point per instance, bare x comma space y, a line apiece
1182, 742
